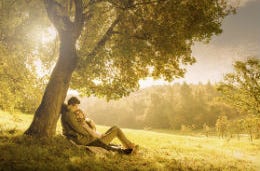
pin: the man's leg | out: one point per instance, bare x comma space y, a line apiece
115, 132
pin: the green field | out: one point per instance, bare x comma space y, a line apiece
158, 151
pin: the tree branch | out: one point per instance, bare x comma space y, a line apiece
79, 17
91, 2
54, 10
103, 40
135, 36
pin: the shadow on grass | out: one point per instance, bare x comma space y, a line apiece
20, 152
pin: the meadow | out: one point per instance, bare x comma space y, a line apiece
159, 150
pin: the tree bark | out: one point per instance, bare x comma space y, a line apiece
47, 114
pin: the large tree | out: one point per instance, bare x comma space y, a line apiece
241, 88
111, 44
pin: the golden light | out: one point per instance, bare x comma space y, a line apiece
149, 81
42, 35
48, 35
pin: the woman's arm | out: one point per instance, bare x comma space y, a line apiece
92, 132
91, 123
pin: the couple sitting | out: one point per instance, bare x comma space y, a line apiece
82, 130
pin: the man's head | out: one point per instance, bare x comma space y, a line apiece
73, 101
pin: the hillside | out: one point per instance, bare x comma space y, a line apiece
158, 151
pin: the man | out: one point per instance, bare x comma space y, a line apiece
82, 130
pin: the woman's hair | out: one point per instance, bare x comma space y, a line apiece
73, 101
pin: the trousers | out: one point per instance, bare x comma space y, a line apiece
115, 132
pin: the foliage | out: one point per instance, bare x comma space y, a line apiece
121, 41
158, 151
252, 126
249, 125
21, 88
222, 126
124, 41
158, 112
242, 87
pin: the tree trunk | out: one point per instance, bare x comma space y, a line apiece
46, 116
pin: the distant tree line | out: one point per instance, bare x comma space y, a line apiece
162, 107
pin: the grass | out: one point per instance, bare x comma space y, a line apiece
158, 151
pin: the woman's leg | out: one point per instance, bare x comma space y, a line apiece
115, 132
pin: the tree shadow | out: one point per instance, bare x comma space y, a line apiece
21, 152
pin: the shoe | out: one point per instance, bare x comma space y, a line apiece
127, 151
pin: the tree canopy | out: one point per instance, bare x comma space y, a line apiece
242, 87
121, 41
124, 41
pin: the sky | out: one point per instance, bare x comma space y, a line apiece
239, 40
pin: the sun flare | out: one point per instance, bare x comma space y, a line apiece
45, 35
48, 35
